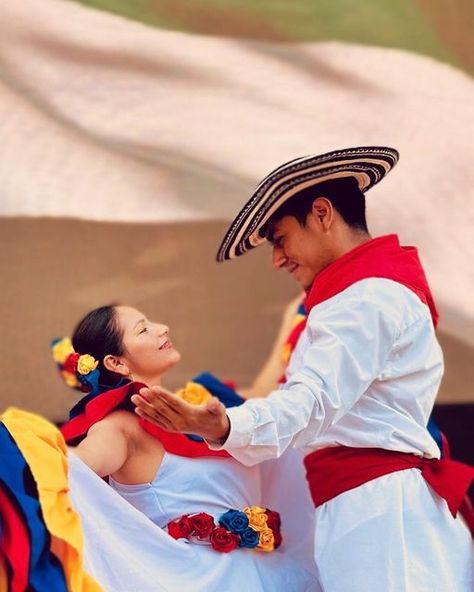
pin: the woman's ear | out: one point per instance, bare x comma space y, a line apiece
117, 365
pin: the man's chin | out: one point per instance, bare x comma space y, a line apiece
304, 282
302, 279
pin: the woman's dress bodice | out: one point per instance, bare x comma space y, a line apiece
192, 485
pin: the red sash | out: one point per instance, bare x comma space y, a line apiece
334, 470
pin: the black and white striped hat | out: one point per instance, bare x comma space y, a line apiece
368, 164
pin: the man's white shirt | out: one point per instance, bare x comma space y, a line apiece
365, 373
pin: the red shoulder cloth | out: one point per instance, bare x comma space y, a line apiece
381, 257
99, 407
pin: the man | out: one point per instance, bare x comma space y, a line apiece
360, 386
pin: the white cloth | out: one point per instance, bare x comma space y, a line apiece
392, 534
365, 373
127, 551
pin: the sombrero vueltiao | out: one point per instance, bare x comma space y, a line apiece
368, 164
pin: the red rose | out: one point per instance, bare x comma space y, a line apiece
277, 539
180, 529
273, 520
202, 525
223, 540
70, 365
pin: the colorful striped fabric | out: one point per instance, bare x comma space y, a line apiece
25, 540
41, 537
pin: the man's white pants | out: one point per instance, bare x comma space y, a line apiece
392, 534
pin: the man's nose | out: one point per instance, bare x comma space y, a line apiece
278, 257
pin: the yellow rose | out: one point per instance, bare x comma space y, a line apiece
61, 350
194, 394
70, 379
267, 540
257, 518
86, 364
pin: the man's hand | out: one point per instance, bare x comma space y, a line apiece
171, 413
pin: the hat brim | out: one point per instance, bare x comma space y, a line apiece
368, 165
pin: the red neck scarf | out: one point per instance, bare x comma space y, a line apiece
75, 430
381, 257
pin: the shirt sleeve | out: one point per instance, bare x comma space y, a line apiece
349, 343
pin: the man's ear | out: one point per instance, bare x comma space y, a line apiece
117, 365
323, 211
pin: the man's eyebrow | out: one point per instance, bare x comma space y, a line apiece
275, 237
271, 235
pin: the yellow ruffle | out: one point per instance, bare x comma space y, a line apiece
45, 451
3, 575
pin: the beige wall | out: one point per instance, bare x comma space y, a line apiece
223, 317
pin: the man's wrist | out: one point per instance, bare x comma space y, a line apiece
221, 435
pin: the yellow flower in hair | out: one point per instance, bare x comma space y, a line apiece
257, 518
70, 379
194, 394
61, 350
266, 541
86, 364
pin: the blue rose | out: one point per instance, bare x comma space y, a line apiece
234, 521
249, 538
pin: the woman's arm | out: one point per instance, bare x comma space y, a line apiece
267, 379
106, 447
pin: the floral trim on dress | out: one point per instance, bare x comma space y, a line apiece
253, 528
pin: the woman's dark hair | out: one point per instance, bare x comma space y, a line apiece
343, 193
99, 335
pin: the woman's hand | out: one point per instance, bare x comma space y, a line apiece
171, 413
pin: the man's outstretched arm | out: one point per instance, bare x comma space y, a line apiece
349, 349
171, 413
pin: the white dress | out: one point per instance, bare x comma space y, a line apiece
127, 548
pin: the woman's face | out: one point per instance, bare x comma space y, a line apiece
148, 351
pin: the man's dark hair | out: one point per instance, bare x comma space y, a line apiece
99, 334
343, 193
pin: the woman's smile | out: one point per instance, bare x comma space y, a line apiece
167, 344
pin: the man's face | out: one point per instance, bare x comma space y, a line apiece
303, 251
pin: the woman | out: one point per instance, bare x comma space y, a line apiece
176, 488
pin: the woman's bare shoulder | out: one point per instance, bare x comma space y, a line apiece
120, 420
